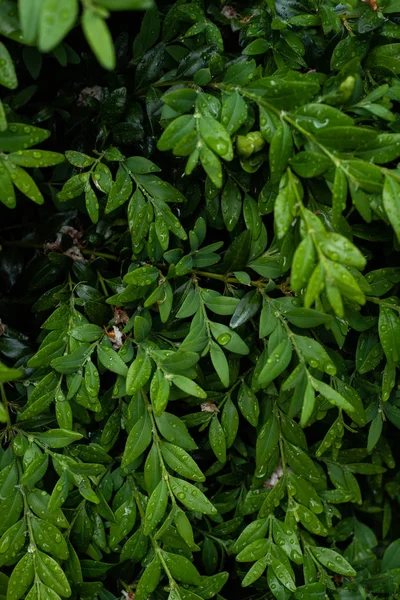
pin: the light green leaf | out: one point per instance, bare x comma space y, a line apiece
57, 17
8, 77
99, 38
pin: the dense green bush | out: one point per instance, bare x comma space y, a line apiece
200, 328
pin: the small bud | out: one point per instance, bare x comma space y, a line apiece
257, 140
244, 146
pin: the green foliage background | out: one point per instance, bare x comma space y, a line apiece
200, 328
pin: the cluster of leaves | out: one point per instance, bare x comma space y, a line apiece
200, 327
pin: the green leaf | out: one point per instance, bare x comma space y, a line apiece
283, 94
38, 502
220, 363
216, 137
181, 100
333, 561
174, 430
58, 438
391, 190
135, 547
56, 19
120, 192
159, 392
230, 422
284, 208
275, 364
310, 521
303, 263
3, 118
254, 551
280, 571
149, 580
315, 354
92, 204
221, 305
308, 405
300, 462
217, 439
125, 518
385, 57
139, 438
211, 165
11, 542
69, 363
227, 338
391, 557
24, 182
7, 193
87, 332
156, 507
139, 372
248, 404
286, 538
21, 578
246, 309
126, 4
181, 462
60, 493
346, 138
29, 16
35, 471
181, 568
188, 386
99, 38
280, 151
7, 374
111, 360
175, 131
36, 158
51, 574
191, 497
267, 441
389, 327
8, 77
255, 571
231, 204
310, 164
384, 149
49, 538
233, 112
259, 46
332, 395
75, 186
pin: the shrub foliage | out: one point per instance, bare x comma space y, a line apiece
200, 326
